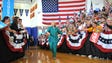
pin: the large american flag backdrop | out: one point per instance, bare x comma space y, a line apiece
59, 10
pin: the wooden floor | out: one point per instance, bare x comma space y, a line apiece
35, 55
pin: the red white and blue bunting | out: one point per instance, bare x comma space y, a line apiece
15, 42
105, 42
76, 42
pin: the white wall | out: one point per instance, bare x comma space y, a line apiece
25, 19
37, 20
27, 22
96, 4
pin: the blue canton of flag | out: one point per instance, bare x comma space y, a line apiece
50, 6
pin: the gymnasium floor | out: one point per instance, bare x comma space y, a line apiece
36, 55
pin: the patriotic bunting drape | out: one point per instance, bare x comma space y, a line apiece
15, 11
21, 11
26, 11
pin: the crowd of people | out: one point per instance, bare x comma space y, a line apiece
12, 40
94, 21
14, 34
97, 21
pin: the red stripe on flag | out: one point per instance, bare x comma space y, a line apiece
54, 18
78, 1
58, 15
71, 10
71, 6
106, 2
49, 23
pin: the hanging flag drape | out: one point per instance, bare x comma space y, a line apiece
91, 9
21, 12
107, 4
52, 9
26, 11
15, 11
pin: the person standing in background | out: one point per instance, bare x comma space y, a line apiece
14, 25
20, 25
6, 20
53, 32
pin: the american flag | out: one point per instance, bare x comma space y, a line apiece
91, 6
0, 9
107, 4
55, 10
